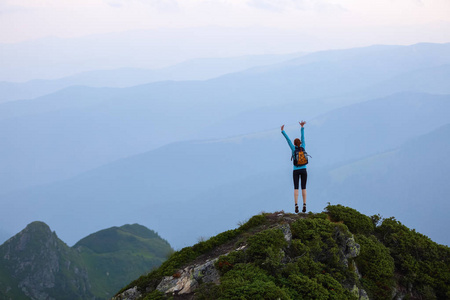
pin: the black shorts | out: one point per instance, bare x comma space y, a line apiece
297, 174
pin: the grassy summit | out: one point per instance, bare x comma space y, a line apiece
337, 254
116, 254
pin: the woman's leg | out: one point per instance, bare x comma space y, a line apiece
304, 178
296, 177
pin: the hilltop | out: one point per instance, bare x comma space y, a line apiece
36, 264
337, 254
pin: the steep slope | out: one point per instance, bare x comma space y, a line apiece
35, 264
337, 254
119, 254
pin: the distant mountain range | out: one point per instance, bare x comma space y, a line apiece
166, 185
57, 136
196, 69
53, 58
161, 152
36, 264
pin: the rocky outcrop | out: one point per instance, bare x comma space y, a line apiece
184, 281
348, 247
36, 264
187, 280
286, 229
130, 294
41, 266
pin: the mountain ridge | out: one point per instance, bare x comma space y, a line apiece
337, 254
97, 126
36, 264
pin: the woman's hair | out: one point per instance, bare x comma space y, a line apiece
297, 142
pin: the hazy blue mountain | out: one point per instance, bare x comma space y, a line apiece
197, 69
396, 58
52, 58
374, 126
36, 264
410, 180
99, 125
164, 187
429, 80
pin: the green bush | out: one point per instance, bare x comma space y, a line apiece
308, 288
423, 264
248, 281
355, 221
265, 249
376, 267
254, 221
207, 291
226, 262
335, 290
156, 295
317, 235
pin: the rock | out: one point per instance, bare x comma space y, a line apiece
355, 291
286, 229
187, 280
353, 249
363, 295
130, 294
360, 293
207, 272
348, 247
241, 248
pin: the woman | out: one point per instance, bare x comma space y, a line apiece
299, 172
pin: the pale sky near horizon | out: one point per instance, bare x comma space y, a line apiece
22, 20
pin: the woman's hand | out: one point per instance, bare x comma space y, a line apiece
282, 128
302, 123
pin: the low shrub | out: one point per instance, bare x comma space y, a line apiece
355, 221
422, 263
376, 267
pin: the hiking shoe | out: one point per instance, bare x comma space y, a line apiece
304, 207
296, 208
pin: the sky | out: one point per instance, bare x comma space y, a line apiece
426, 20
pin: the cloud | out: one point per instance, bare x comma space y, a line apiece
159, 5
271, 5
115, 4
305, 5
165, 5
12, 9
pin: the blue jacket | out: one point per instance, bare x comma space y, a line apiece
293, 147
